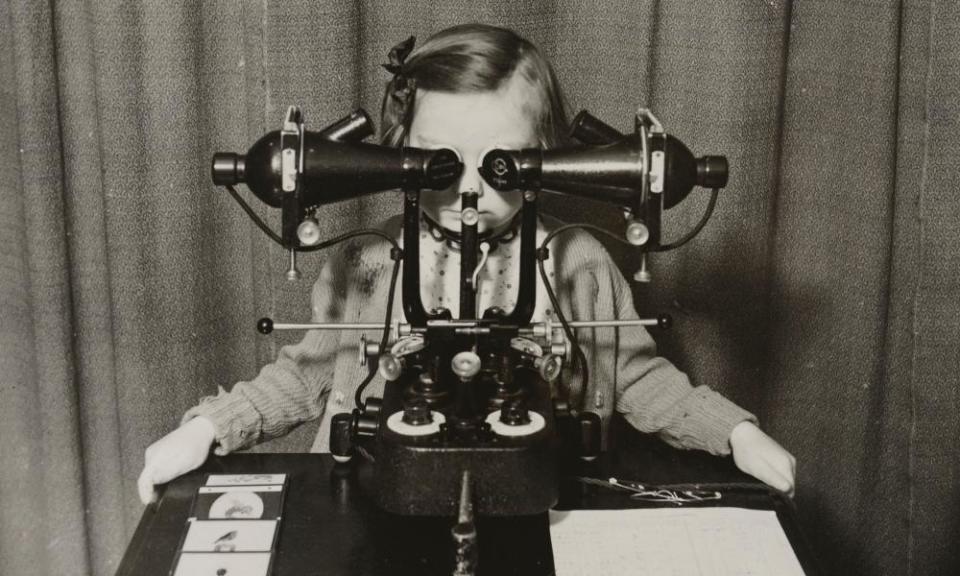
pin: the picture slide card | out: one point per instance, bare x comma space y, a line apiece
245, 479
238, 503
230, 536
194, 564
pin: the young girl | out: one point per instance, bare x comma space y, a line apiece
469, 88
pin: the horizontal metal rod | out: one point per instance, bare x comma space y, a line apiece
613, 323
330, 326
461, 324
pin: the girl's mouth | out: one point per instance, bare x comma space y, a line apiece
452, 211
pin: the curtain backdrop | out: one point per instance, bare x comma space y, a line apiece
823, 295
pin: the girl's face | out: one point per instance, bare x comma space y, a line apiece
472, 124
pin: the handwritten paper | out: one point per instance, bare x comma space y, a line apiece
671, 542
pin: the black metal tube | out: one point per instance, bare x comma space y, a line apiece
412, 303
527, 294
589, 129
352, 128
468, 255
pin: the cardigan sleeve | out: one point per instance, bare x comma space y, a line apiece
652, 394
289, 391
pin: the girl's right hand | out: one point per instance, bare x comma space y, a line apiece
177, 453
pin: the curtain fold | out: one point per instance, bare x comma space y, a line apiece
934, 461
830, 261
94, 358
822, 295
47, 470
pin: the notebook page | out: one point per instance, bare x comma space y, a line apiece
671, 542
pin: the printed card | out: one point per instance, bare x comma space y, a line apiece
238, 502
245, 479
233, 527
194, 564
230, 536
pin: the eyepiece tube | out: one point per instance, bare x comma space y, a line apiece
590, 130
438, 168
352, 128
228, 168
512, 169
712, 171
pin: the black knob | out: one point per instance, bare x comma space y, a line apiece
341, 436
416, 412
589, 425
265, 325
665, 321
368, 421
514, 412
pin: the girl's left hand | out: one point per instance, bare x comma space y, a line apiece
760, 456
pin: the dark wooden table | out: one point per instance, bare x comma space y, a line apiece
330, 527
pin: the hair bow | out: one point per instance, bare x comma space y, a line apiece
398, 55
403, 87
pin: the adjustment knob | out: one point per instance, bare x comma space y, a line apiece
643, 274
308, 232
465, 365
514, 412
637, 233
265, 325
665, 321
390, 367
549, 367
469, 216
367, 349
416, 412
589, 432
341, 436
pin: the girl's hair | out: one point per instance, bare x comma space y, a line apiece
473, 58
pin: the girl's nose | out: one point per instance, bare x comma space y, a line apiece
470, 181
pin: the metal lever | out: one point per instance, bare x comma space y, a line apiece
465, 532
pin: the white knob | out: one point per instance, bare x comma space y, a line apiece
466, 365
308, 232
